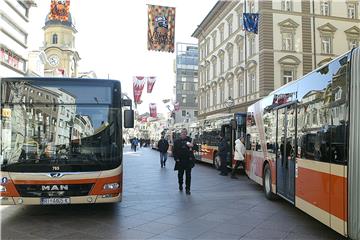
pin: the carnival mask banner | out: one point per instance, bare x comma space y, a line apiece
153, 112
150, 84
177, 106
138, 86
59, 10
161, 28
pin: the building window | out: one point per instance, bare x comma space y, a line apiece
183, 113
251, 6
252, 81
214, 96
214, 39
326, 45
196, 113
288, 76
230, 25
208, 73
183, 79
286, 5
214, 69
287, 41
230, 55
208, 99
240, 53
240, 20
251, 46
207, 47
222, 95
241, 87
183, 86
183, 98
221, 35
222, 64
325, 8
353, 43
55, 39
351, 10
230, 89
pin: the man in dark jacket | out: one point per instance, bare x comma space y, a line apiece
184, 157
222, 152
163, 146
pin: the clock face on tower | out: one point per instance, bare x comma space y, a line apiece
54, 60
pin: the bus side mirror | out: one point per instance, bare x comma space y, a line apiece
128, 118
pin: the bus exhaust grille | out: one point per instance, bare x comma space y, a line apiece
53, 190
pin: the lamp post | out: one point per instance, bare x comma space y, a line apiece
229, 103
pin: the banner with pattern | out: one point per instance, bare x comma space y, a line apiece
138, 86
59, 10
150, 84
161, 28
153, 112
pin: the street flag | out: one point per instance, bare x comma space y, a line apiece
251, 21
177, 106
138, 86
152, 107
59, 10
161, 28
150, 84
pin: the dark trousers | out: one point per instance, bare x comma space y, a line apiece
181, 177
223, 167
237, 165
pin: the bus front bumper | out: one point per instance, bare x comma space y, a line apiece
69, 200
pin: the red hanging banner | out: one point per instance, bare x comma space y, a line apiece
138, 86
177, 106
150, 84
153, 112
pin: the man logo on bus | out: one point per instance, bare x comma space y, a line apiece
54, 187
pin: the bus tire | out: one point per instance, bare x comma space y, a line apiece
217, 162
267, 183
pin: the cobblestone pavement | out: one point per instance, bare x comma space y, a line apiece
153, 208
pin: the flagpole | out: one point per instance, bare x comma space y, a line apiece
245, 69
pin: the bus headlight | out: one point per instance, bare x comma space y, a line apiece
111, 186
2, 188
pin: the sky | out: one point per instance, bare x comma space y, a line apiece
112, 40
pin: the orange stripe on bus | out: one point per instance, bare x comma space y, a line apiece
323, 190
10, 190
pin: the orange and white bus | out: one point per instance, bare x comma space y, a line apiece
303, 143
231, 125
61, 140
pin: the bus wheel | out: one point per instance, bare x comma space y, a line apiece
267, 184
217, 162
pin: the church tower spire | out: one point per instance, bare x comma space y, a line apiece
59, 41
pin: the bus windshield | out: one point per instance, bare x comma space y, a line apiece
58, 125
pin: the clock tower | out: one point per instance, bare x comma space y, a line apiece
59, 42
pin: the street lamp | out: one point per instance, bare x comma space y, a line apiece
229, 103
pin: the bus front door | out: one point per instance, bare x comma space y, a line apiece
285, 157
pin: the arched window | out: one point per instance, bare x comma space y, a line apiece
55, 39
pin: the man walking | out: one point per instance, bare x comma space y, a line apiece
163, 146
222, 152
238, 155
184, 158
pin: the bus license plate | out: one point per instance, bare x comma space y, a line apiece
54, 201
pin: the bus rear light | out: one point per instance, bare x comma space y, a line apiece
2, 188
111, 186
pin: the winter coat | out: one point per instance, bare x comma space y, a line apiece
239, 150
183, 155
163, 145
223, 148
